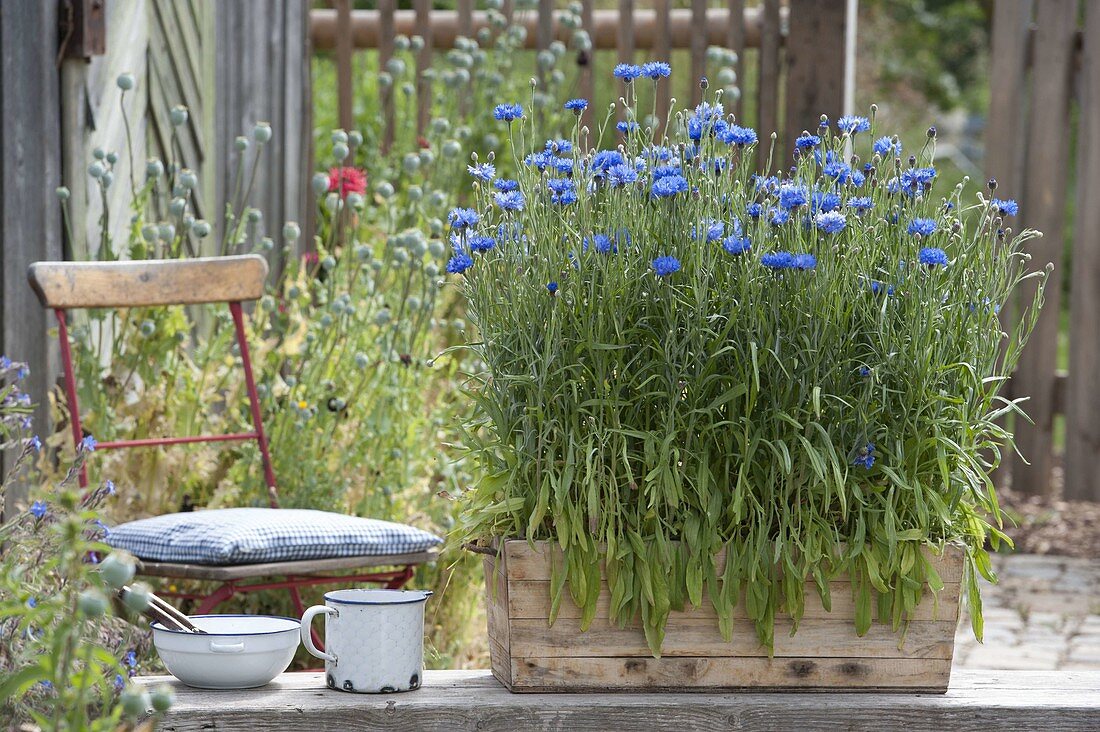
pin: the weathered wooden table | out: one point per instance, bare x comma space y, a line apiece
473, 700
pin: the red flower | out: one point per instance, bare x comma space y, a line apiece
347, 180
423, 142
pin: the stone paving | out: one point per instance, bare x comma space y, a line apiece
1043, 614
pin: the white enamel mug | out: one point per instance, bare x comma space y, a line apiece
374, 639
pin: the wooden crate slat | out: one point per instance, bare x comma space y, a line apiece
531, 599
695, 674
533, 638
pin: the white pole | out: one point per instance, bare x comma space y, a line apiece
849, 103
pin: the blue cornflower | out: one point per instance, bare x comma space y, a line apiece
505, 184
864, 371
562, 165
576, 105
735, 135
707, 120
852, 124
627, 72
565, 198
778, 260
865, 456
933, 257
880, 287
768, 185
669, 186
884, 145
805, 261
541, 160
560, 185
664, 171
462, 218
753, 210
625, 127
914, 180
602, 244
34, 443
664, 266
861, 203
508, 112
510, 201
552, 287
481, 243
32, 602
656, 69
714, 230
737, 244
38, 509
778, 216
838, 171
605, 159
484, 171
1005, 208
792, 196
561, 147
5, 363
621, 175
88, 444
830, 222
120, 683
26, 423
22, 371
856, 178
824, 202
807, 140
459, 263
922, 227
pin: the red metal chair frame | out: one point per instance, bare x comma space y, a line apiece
391, 579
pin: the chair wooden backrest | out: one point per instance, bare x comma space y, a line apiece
63, 286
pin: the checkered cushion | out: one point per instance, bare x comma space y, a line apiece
257, 535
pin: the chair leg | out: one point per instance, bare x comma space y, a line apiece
299, 607
215, 598
399, 581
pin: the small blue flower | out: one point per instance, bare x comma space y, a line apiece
933, 257
915, 180
625, 127
852, 124
753, 210
627, 72
38, 509
459, 263
807, 141
860, 203
560, 147
838, 171
821, 202
1005, 208
508, 112
463, 218
109, 486
481, 243
32, 602
878, 288
886, 145
778, 216
792, 196
26, 423
922, 227
576, 105
665, 171
664, 266
656, 70
606, 159
669, 186
565, 198
22, 371
831, 222
737, 244
735, 135
562, 165
504, 185
483, 172
621, 175
602, 244
856, 178
805, 261
865, 456
541, 160
560, 185
34, 443
714, 230
5, 363
552, 287
510, 201
864, 371
778, 260
120, 683
88, 444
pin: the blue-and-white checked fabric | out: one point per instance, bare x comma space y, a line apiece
227, 536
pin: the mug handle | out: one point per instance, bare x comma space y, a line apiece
307, 637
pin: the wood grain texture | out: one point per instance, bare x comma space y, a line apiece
698, 50
735, 41
662, 51
767, 94
1082, 479
815, 67
1043, 208
275, 569
977, 701
423, 63
345, 102
148, 282
385, 25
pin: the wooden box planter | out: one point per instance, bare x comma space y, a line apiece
530, 655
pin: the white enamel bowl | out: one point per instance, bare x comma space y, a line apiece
236, 652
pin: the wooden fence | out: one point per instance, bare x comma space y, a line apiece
1045, 65
798, 45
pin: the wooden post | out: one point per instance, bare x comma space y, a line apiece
1043, 208
423, 63
343, 63
767, 97
466, 28
662, 50
30, 170
544, 36
815, 67
698, 49
385, 53
588, 69
1082, 479
735, 41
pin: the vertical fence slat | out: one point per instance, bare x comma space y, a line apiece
423, 63
625, 33
767, 94
1082, 479
698, 49
343, 63
385, 53
544, 35
815, 66
735, 41
662, 50
1043, 208
466, 28
588, 68
1004, 157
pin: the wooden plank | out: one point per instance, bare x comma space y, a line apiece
423, 63
815, 67
148, 282
465, 10
624, 37
496, 605
767, 94
343, 64
531, 599
1082, 479
587, 61
698, 50
527, 562
277, 569
386, 10
735, 41
501, 661
533, 638
977, 701
1043, 208
662, 50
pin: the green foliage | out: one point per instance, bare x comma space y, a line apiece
827, 408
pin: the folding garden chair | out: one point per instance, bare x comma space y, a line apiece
243, 550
